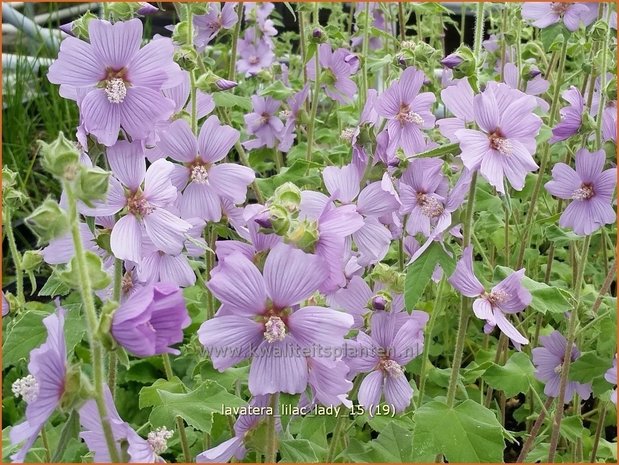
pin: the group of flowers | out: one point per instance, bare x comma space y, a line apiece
300, 285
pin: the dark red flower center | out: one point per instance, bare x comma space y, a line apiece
499, 143
584, 192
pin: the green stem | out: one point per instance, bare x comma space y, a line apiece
86, 292
271, 442
601, 103
598, 432
112, 357
425, 356
479, 31
48, 455
526, 447
531, 212
441, 150
17, 258
167, 367
364, 53
302, 44
192, 76
339, 430
235, 39
402, 22
567, 357
210, 263
314, 110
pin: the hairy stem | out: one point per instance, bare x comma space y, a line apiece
271, 451
17, 258
167, 366
438, 307
86, 292
235, 40
526, 447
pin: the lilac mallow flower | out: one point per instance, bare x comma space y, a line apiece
295, 104
505, 142
458, 99
127, 441
203, 182
535, 86
376, 199
611, 377
549, 361
208, 25
263, 123
336, 71
571, 116
260, 319
144, 194
44, 387
151, 320
383, 354
545, 14
407, 112
509, 296
120, 82
254, 54
590, 188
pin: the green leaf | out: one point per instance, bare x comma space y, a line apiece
467, 433
297, 451
196, 407
149, 395
394, 444
277, 90
99, 278
545, 298
588, 366
70, 430
419, 273
28, 333
228, 100
572, 429
54, 286
512, 378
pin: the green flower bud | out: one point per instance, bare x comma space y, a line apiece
179, 35
99, 278
79, 27
105, 325
598, 31
60, 158
92, 184
467, 65
186, 57
288, 195
304, 235
210, 82
48, 221
392, 279
317, 35
103, 240
200, 8
122, 10
31, 260
11, 197
280, 219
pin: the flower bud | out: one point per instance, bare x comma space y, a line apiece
99, 278
280, 219
179, 35
128, 10
210, 82
304, 235
79, 27
288, 195
186, 57
92, 184
598, 31
103, 240
146, 9
452, 60
11, 197
379, 303
48, 221
60, 158
31, 260
76, 389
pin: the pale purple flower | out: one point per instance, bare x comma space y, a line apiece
144, 194
207, 26
44, 387
376, 199
258, 11
335, 75
549, 361
254, 55
590, 188
203, 181
122, 82
384, 353
295, 104
327, 380
378, 22
505, 142
61, 251
609, 122
611, 377
333, 226
126, 440
151, 320
535, 86
263, 123
260, 319
509, 296
407, 112
423, 190
571, 116
545, 14
359, 299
